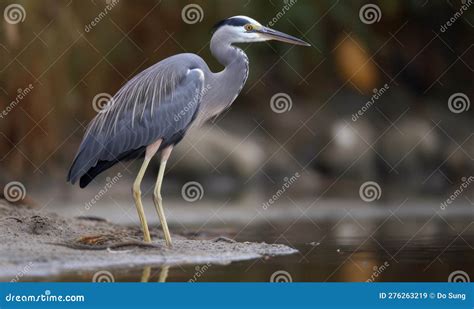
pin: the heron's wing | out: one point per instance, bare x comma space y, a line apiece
144, 92
157, 103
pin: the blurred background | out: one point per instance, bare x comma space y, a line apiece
355, 144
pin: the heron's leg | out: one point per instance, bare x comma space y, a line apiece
158, 201
137, 195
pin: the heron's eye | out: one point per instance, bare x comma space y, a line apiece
248, 27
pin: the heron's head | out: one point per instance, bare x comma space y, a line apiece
243, 29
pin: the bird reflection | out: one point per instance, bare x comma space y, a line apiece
146, 274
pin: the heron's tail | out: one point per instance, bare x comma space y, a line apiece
85, 175
86, 158
94, 171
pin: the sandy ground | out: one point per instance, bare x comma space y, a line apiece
34, 243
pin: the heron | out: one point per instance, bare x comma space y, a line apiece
153, 111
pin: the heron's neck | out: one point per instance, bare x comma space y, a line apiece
226, 54
228, 83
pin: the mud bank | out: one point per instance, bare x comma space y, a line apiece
37, 243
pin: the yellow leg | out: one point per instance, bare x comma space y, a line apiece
137, 196
158, 200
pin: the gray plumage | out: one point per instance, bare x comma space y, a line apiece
163, 101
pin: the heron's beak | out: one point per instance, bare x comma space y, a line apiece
280, 36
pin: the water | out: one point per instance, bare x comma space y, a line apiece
348, 249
